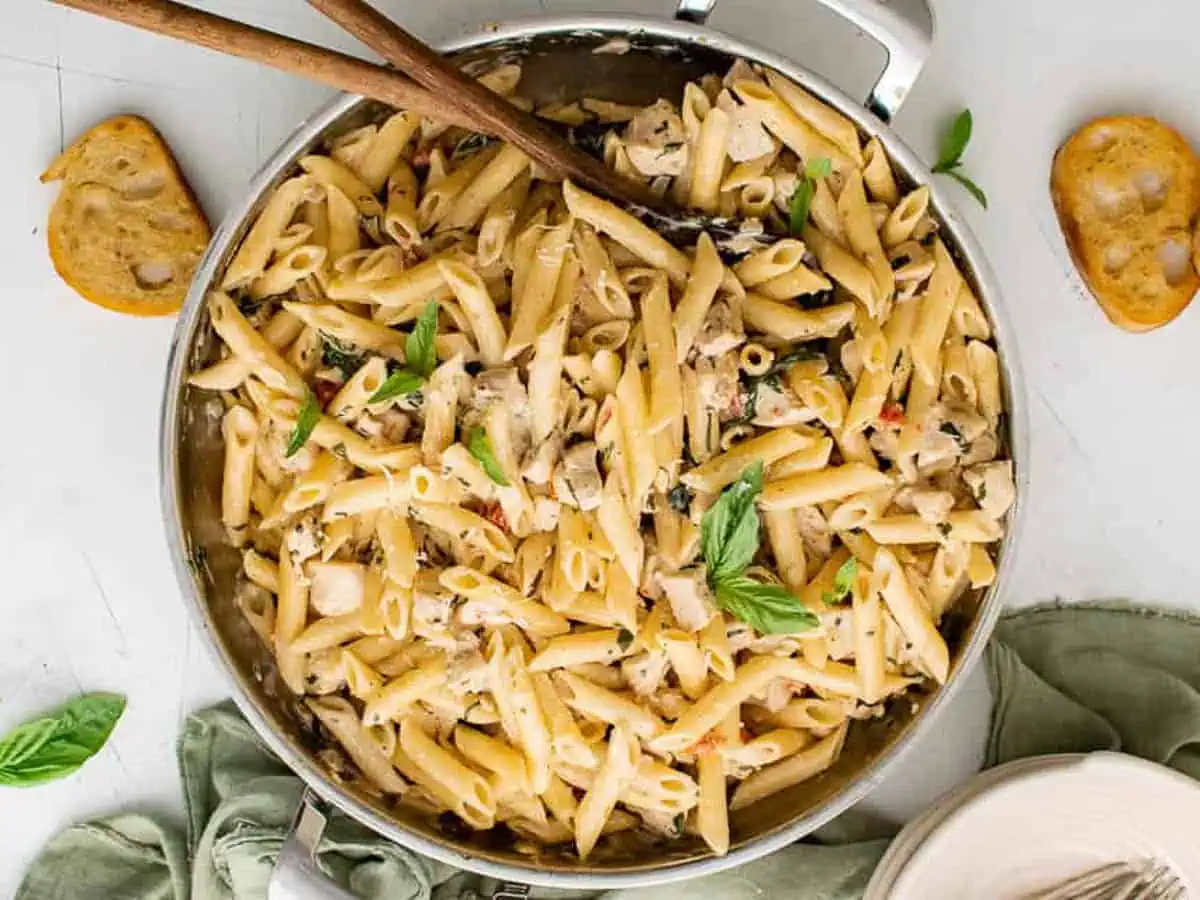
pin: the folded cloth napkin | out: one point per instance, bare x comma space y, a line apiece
1065, 679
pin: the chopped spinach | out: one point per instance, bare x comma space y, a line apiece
953, 430
471, 144
679, 498
337, 355
589, 137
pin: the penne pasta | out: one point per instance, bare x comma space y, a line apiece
629, 535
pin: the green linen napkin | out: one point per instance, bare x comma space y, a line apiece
1065, 679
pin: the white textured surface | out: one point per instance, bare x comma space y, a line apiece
89, 601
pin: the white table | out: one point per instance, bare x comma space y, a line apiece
89, 601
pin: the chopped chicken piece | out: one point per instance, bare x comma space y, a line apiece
776, 406
540, 462
777, 695
814, 531
337, 587
775, 645
655, 140
665, 823
748, 139
838, 622
785, 186
939, 450
648, 585
992, 485
367, 425
644, 673
721, 332
983, 449
931, 505
577, 481
303, 538
740, 636
300, 461
718, 385
670, 703
750, 236
545, 513
500, 386
956, 421
691, 600
432, 603
467, 673
394, 425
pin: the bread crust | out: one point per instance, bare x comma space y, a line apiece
126, 231
1127, 193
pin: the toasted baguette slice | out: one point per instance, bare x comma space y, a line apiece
1127, 193
125, 231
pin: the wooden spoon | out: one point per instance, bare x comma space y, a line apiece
339, 70
492, 114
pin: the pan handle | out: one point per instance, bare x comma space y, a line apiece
296, 875
905, 28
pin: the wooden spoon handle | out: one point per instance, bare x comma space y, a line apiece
489, 112
347, 73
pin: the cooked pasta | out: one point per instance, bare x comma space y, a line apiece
498, 459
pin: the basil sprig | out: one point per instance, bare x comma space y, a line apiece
954, 144
729, 537
843, 583
481, 448
802, 197
420, 358
306, 421
54, 746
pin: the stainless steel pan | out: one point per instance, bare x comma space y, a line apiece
559, 65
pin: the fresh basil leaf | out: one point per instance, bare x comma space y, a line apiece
92, 717
420, 350
769, 608
843, 580
399, 384
624, 639
481, 448
729, 529
306, 421
972, 188
19, 745
954, 142
55, 746
820, 167
799, 205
